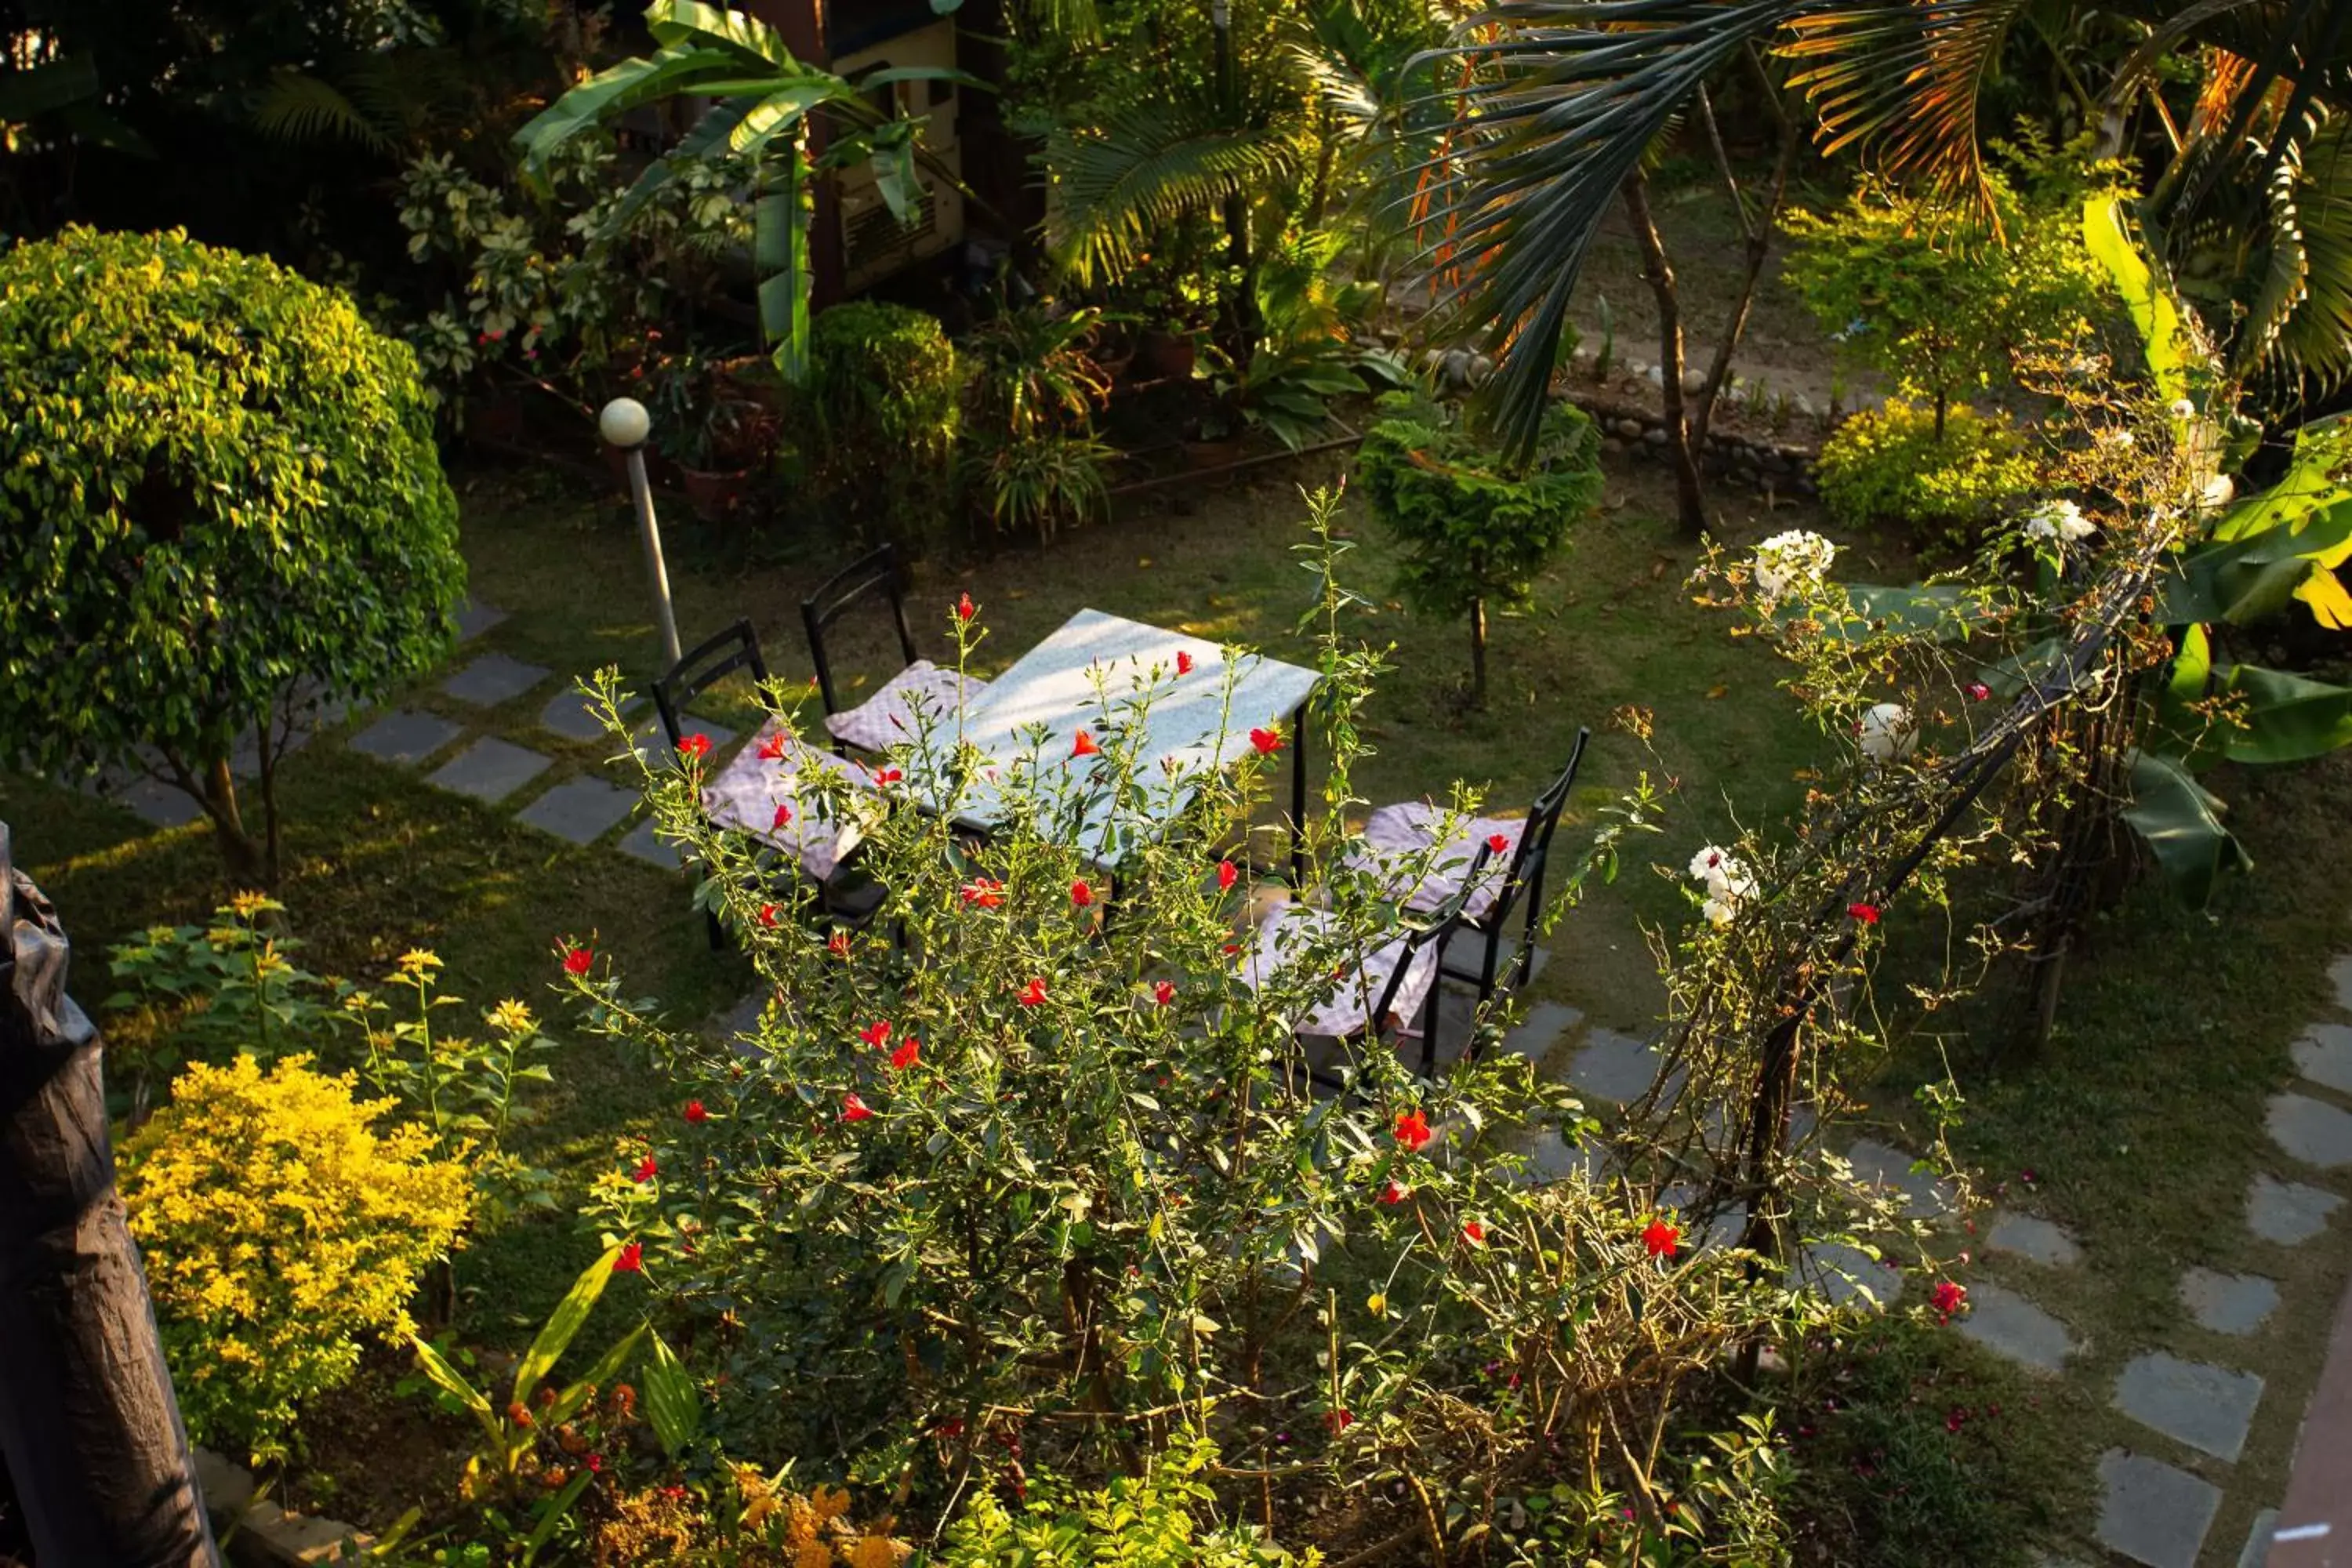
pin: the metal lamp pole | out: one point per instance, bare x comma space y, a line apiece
625, 423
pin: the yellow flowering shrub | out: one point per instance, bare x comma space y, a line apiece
278, 1224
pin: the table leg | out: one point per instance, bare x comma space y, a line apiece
1297, 795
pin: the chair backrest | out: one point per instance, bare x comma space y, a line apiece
876, 575
703, 666
1438, 931
1535, 838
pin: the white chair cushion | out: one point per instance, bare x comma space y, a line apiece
746, 794
887, 719
1283, 940
1397, 840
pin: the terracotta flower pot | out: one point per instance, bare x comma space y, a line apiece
1168, 355
716, 494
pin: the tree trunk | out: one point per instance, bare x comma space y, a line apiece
1759, 231
94, 1447
1941, 401
1478, 652
243, 858
1689, 495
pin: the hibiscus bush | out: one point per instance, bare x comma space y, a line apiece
1023, 1174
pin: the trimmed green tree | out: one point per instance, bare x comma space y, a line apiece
1471, 529
219, 501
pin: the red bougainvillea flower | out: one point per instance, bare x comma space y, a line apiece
1080, 894
1184, 662
1500, 843
905, 1055
1661, 1239
838, 944
854, 1109
1978, 692
1084, 746
596, 1463
1866, 913
645, 1170
1395, 1191
695, 1113
696, 745
1164, 993
1267, 742
1413, 1130
1232, 948
772, 747
1226, 876
767, 914
1474, 1233
632, 1260
784, 816
1948, 1298
1339, 1420
986, 892
887, 777
964, 607
1034, 994
876, 1034
578, 960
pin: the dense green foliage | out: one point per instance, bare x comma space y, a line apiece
1473, 530
1030, 459
217, 484
1889, 466
884, 399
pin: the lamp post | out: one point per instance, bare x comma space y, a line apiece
625, 423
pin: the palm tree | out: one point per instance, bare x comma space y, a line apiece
2251, 208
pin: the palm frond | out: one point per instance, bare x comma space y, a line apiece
1144, 170
298, 107
1901, 80
2312, 220
1570, 95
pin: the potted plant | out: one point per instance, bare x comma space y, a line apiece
727, 445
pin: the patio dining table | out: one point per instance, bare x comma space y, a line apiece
1100, 673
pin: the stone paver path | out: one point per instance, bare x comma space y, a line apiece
580, 810
2036, 1240
494, 679
2008, 1324
2288, 1212
1613, 1066
2324, 1055
2207, 1407
571, 715
641, 843
406, 738
2312, 1131
490, 770
2153, 1513
1877, 1166
2228, 1303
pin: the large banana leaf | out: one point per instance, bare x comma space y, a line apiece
2182, 825
678, 68
2310, 487
2164, 329
2288, 717
780, 256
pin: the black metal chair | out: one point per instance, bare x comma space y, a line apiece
879, 721
1523, 880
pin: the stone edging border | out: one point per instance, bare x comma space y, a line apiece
257, 1533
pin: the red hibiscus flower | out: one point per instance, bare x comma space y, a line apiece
1500, 843
1267, 742
876, 1034
904, 1056
1413, 1130
964, 607
1395, 1191
1661, 1239
1084, 746
696, 746
1226, 876
838, 944
767, 914
1034, 994
1866, 913
854, 1109
784, 816
695, 1113
887, 777
578, 960
1474, 1233
1948, 1298
1339, 1420
1184, 662
645, 1170
985, 892
632, 1260
1978, 690
772, 747
1080, 894
1164, 993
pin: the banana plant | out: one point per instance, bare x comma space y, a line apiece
764, 99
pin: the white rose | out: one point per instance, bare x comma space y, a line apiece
1889, 733
1717, 912
2183, 409
2059, 520
1705, 864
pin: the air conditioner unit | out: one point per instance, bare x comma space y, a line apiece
874, 242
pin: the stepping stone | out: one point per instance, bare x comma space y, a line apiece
2153, 1513
405, 737
2007, 1324
494, 679
579, 810
2036, 1240
2312, 1131
1467, 950
1845, 1276
1546, 1025
1613, 1067
2207, 1407
571, 715
490, 770
2257, 1549
2324, 1055
741, 1019
475, 617
1877, 1166
2228, 1303
159, 803
2340, 975
641, 843
2288, 1212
